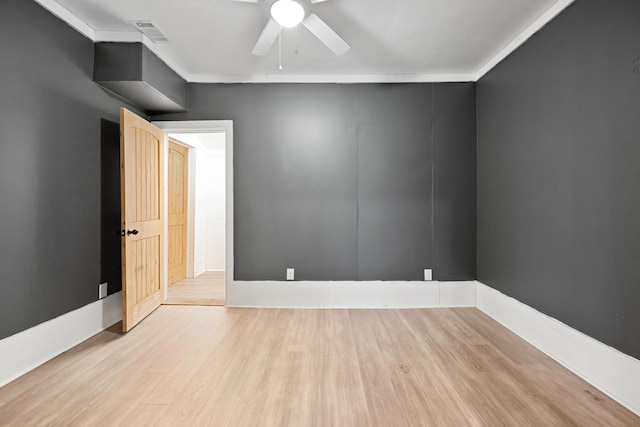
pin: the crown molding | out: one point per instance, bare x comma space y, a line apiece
118, 36
543, 20
134, 36
330, 78
72, 20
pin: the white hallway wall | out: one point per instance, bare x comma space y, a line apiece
209, 206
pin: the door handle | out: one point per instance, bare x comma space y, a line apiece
129, 232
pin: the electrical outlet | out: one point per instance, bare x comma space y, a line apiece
290, 273
102, 290
428, 274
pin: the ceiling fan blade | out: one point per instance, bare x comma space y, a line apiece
325, 34
266, 39
311, 1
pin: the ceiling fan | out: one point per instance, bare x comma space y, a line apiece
288, 14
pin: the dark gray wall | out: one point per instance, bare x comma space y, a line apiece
110, 242
50, 168
349, 182
559, 172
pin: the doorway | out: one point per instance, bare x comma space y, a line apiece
209, 206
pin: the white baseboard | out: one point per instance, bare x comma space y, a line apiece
611, 371
29, 349
310, 294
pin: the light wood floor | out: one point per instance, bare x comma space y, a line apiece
206, 289
197, 365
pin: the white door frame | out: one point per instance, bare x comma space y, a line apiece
205, 126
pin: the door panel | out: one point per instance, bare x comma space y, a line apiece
177, 204
142, 200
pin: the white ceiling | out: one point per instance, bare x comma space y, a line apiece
391, 40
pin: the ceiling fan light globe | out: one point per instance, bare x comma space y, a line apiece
287, 13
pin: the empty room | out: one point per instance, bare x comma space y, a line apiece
320, 213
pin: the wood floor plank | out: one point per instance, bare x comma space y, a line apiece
143, 373
107, 365
200, 366
145, 415
206, 289
217, 375
60, 364
178, 376
404, 385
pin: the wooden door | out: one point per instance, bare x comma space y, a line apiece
177, 201
141, 167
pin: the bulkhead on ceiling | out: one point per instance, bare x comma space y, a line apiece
132, 72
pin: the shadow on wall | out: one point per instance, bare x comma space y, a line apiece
110, 249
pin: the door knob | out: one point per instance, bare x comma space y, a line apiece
130, 232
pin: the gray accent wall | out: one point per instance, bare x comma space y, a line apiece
51, 136
559, 172
349, 182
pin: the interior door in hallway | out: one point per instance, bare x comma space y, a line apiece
141, 157
177, 204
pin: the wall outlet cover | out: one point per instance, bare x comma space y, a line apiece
102, 290
428, 274
290, 274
